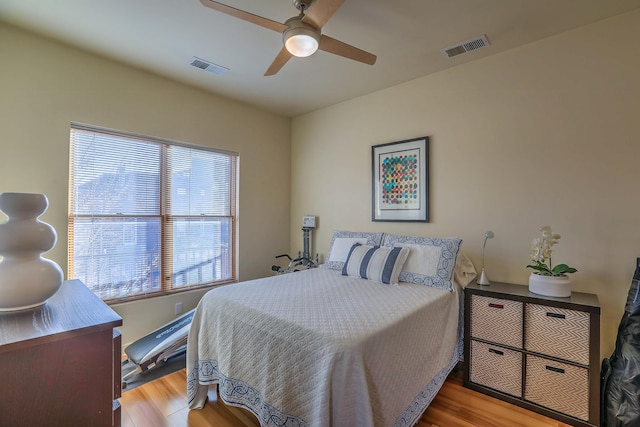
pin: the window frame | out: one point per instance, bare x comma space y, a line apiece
165, 217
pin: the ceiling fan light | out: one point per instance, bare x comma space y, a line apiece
301, 45
300, 39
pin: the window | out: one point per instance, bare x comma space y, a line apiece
148, 216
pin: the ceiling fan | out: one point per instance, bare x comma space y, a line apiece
301, 34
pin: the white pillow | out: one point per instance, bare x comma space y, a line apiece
341, 243
423, 259
379, 264
432, 262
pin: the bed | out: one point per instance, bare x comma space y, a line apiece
327, 347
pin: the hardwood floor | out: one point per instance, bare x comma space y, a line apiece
163, 403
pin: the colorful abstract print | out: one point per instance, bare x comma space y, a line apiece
399, 178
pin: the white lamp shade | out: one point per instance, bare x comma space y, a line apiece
300, 39
301, 45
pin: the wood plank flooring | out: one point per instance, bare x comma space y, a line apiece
162, 403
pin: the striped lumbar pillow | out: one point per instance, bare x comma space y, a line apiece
380, 264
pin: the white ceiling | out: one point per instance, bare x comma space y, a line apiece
407, 36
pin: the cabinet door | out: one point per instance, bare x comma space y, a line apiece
61, 383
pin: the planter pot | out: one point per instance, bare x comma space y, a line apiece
550, 286
26, 279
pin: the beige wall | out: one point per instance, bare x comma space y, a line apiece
45, 85
547, 134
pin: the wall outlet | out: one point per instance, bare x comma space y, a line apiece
178, 308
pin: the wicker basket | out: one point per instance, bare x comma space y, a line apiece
557, 332
558, 386
497, 320
496, 367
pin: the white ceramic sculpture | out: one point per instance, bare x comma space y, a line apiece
26, 279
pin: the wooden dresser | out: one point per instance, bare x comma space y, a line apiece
60, 363
538, 352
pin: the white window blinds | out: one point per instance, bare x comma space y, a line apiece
149, 216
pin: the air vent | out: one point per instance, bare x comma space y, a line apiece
208, 66
464, 47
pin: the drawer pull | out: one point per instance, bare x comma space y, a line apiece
498, 352
554, 369
494, 305
556, 315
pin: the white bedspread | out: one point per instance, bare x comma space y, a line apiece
315, 348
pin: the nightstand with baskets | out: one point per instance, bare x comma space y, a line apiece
537, 352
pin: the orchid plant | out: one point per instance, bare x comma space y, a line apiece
541, 255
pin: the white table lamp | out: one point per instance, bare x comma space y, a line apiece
484, 280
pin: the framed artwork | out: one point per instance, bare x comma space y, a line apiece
400, 175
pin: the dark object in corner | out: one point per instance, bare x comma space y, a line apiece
163, 367
620, 386
156, 347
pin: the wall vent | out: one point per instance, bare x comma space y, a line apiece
464, 47
218, 70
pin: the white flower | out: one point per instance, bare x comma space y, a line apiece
541, 254
541, 246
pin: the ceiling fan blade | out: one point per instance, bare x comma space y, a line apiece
241, 14
337, 47
320, 11
279, 62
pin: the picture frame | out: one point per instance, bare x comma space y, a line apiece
400, 181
